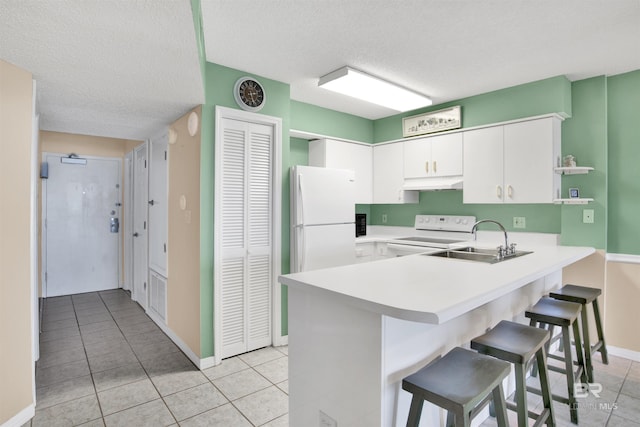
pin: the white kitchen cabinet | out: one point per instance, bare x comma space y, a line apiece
365, 252
388, 175
434, 156
513, 163
330, 153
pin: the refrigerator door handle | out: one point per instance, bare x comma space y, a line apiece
300, 220
301, 250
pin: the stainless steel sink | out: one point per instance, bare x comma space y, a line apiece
489, 256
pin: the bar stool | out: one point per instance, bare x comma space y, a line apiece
461, 382
584, 295
549, 311
520, 344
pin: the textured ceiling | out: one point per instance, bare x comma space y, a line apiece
111, 68
124, 69
444, 49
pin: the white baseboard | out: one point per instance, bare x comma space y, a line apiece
623, 352
207, 362
177, 341
21, 417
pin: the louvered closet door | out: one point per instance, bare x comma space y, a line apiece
246, 237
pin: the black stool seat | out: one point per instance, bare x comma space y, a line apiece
554, 312
580, 294
585, 295
549, 311
511, 342
459, 382
519, 344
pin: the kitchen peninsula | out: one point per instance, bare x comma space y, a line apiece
355, 331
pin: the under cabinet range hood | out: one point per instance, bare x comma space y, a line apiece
433, 184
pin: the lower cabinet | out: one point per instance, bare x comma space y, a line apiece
364, 252
158, 295
371, 251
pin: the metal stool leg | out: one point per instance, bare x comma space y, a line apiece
500, 407
415, 411
602, 346
545, 387
587, 344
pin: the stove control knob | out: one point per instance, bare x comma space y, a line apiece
427, 219
464, 221
420, 219
457, 220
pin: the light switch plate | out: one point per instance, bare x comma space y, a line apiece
519, 222
384, 218
587, 216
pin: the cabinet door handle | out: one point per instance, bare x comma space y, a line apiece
426, 166
510, 191
399, 195
435, 167
499, 191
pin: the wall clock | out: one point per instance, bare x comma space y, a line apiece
249, 94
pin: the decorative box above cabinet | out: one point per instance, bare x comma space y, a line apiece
329, 153
513, 162
388, 175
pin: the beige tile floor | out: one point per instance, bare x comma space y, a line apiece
104, 362
618, 404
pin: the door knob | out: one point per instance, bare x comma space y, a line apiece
135, 234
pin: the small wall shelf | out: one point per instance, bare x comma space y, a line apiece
579, 201
573, 170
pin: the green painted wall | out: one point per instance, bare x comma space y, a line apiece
322, 121
531, 99
219, 82
540, 218
585, 136
624, 163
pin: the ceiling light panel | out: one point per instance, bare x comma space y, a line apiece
357, 84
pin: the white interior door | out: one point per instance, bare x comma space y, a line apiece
246, 236
158, 186
140, 204
80, 202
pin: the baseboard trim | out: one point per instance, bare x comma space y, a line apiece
623, 352
21, 417
177, 341
626, 258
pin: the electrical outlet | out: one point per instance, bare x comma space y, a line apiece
519, 222
587, 216
327, 421
384, 218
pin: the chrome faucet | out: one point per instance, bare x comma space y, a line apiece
502, 251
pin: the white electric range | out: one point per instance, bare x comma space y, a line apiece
434, 233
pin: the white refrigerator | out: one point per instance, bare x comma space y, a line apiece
322, 218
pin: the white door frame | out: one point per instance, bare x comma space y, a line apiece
43, 197
276, 123
143, 200
127, 215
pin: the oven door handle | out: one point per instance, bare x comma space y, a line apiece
404, 249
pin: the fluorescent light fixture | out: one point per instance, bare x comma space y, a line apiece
357, 84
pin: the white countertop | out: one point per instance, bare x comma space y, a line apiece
431, 289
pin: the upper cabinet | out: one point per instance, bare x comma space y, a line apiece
330, 153
513, 163
388, 175
434, 156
